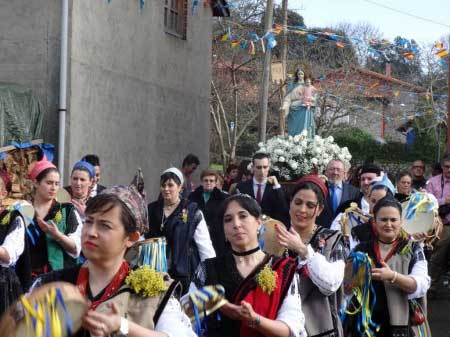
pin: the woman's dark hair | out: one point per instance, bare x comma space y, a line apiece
402, 174
103, 203
92, 159
387, 201
232, 167
312, 187
41, 176
169, 175
245, 201
190, 159
383, 188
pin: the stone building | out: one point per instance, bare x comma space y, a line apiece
138, 84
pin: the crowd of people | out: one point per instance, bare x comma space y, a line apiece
212, 235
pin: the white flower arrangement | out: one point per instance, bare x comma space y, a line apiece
297, 156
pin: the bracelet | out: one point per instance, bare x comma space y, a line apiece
394, 278
257, 321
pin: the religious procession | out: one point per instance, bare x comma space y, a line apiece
269, 169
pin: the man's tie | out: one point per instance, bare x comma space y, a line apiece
334, 201
259, 194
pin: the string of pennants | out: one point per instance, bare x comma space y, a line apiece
409, 50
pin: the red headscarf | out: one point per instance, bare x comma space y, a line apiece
316, 180
39, 167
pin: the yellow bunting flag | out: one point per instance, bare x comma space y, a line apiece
234, 43
396, 93
442, 53
277, 29
225, 37
438, 45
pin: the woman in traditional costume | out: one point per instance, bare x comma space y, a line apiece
261, 289
55, 233
122, 301
320, 254
12, 243
81, 182
399, 274
183, 225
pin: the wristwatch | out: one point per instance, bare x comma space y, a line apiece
123, 326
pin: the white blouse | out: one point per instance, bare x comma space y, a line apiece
203, 240
14, 242
327, 276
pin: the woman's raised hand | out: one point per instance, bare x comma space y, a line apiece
291, 240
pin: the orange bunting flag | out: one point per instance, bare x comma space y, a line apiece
277, 29
340, 44
439, 45
442, 53
408, 55
300, 32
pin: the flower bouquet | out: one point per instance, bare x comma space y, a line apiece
294, 157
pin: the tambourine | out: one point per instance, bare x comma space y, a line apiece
352, 217
151, 252
204, 301
420, 215
62, 196
268, 237
55, 309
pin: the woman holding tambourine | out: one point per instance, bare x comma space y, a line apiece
399, 275
122, 301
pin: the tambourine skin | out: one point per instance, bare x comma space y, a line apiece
13, 322
268, 236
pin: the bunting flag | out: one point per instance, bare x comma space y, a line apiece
277, 29
340, 44
409, 55
441, 53
439, 45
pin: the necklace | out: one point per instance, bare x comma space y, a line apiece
246, 253
306, 242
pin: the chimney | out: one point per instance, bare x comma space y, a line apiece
388, 69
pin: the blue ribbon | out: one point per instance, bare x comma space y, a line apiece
66, 313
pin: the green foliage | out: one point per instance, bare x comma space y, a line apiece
364, 147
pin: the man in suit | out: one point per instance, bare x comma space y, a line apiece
266, 190
340, 192
94, 160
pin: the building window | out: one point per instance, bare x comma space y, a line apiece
175, 17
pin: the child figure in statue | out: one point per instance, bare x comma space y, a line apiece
299, 106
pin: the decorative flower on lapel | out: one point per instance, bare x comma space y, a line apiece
58, 217
146, 281
267, 279
184, 215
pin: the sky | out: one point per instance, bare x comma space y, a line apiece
322, 13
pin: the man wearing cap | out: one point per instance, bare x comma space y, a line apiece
340, 192
266, 190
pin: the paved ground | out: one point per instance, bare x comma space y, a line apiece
439, 313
